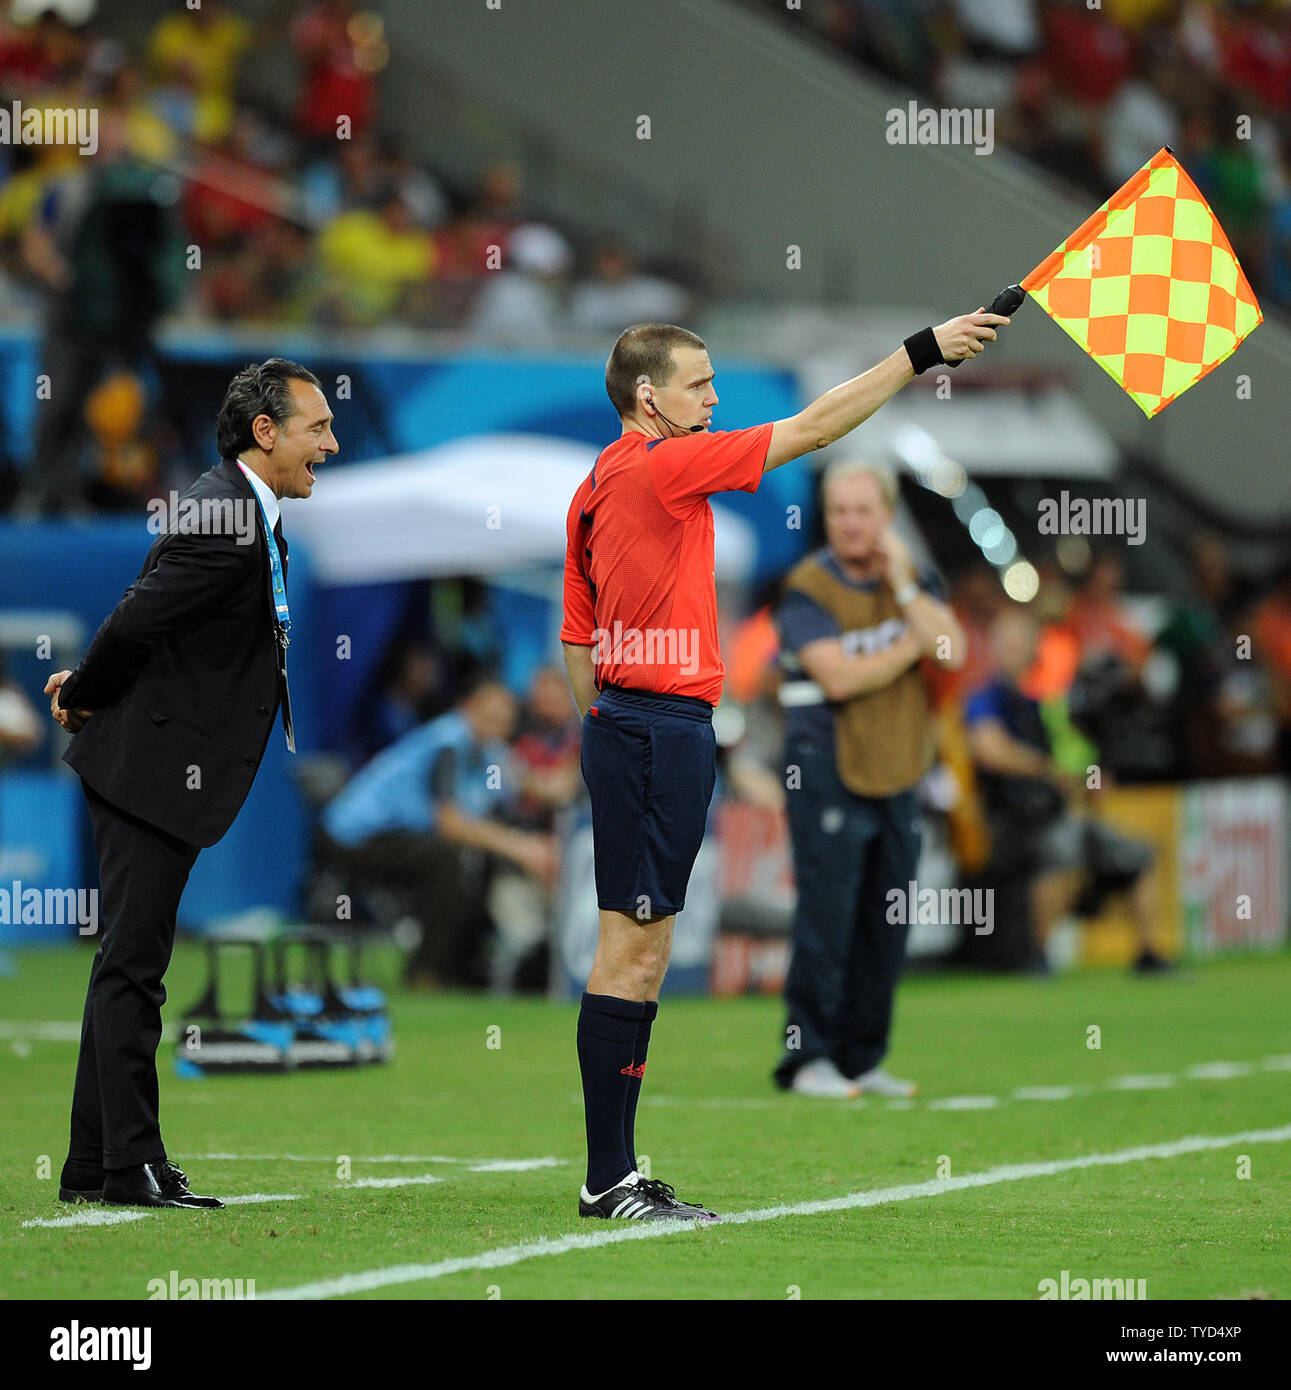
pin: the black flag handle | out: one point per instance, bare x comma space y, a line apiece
1004, 303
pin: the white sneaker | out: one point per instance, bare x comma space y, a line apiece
876, 1082
820, 1077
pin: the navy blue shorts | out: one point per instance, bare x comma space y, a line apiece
650, 764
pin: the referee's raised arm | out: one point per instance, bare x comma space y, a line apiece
842, 408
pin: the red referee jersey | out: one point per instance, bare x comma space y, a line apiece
639, 579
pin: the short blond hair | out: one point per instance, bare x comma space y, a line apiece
851, 468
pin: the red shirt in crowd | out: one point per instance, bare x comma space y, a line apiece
337, 82
1088, 55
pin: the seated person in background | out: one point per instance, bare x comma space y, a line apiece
1072, 861
20, 727
546, 755
377, 263
1271, 627
408, 691
546, 751
977, 598
1100, 618
617, 292
422, 813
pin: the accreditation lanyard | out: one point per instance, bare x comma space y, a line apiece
282, 614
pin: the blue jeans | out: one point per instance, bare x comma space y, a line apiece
848, 851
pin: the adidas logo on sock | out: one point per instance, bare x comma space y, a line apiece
629, 1070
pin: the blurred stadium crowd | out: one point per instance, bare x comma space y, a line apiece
322, 222
1092, 91
297, 228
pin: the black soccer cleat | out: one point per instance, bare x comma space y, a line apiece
642, 1199
702, 1213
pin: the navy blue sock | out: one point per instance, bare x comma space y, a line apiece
651, 1007
607, 1036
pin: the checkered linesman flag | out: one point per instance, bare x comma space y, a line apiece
1149, 286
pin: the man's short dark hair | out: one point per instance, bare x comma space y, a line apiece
644, 350
477, 678
262, 388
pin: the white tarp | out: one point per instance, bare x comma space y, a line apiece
481, 506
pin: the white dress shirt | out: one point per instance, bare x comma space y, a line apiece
264, 492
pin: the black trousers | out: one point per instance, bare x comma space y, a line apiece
448, 886
849, 851
142, 873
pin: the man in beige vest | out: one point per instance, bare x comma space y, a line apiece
855, 622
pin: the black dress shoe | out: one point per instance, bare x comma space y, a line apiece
158, 1184
80, 1182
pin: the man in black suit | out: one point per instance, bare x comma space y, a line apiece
172, 706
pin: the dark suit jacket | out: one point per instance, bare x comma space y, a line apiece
183, 676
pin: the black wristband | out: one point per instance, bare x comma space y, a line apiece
923, 351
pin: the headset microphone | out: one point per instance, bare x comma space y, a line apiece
693, 429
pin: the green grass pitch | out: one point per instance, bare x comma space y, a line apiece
1190, 1224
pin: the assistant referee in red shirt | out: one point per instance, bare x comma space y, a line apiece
640, 641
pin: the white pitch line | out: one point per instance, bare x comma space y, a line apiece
1044, 1092
1140, 1082
714, 1102
481, 1165
40, 1030
515, 1165
1201, 1071
57, 1030
94, 1217
393, 1182
1219, 1071
515, 1254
